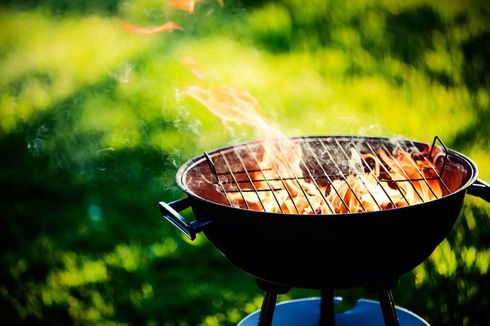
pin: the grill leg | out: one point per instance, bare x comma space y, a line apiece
269, 302
327, 313
388, 308
267, 309
386, 300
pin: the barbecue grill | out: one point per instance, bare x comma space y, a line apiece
246, 207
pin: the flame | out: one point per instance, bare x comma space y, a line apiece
234, 105
378, 180
239, 106
365, 192
189, 5
168, 26
384, 186
184, 5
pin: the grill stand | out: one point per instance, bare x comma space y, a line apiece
386, 301
269, 302
327, 313
388, 308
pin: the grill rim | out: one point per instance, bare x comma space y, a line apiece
472, 170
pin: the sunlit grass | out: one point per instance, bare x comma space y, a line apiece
46, 59
103, 108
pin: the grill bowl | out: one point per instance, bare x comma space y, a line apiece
323, 251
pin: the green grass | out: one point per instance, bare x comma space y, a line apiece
93, 127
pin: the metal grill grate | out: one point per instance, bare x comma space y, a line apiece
239, 170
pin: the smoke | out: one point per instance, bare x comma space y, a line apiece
355, 161
124, 73
184, 122
371, 130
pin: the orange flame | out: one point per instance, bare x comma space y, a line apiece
234, 105
379, 181
365, 191
168, 26
184, 5
239, 106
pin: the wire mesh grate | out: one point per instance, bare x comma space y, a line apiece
259, 172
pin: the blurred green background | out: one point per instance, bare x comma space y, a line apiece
93, 127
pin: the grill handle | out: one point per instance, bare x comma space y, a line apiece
170, 213
480, 189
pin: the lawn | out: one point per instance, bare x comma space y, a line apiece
94, 125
